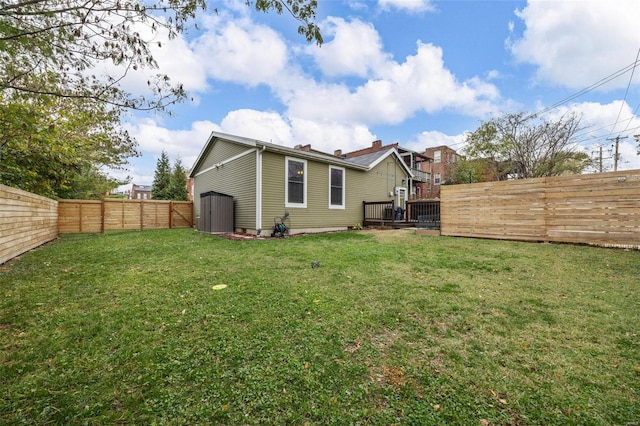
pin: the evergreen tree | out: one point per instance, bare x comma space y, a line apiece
162, 178
178, 183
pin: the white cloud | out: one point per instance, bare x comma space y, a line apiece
356, 49
598, 122
421, 83
188, 70
153, 137
411, 6
272, 127
330, 136
260, 125
577, 43
430, 139
241, 51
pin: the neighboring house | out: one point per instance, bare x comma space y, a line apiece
190, 188
140, 192
321, 192
419, 164
443, 159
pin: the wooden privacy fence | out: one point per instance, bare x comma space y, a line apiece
85, 216
601, 209
26, 221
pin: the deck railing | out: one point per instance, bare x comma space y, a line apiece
421, 213
420, 176
425, 213
378, 213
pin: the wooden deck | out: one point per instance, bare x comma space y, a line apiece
416, 214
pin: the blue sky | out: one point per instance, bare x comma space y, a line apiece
421, 73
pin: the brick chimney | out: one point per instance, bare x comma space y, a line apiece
376, 144
306, 147
337, 152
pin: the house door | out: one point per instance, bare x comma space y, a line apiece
401, 198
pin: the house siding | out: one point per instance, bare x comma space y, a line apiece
236, 178
360, 186
378, 182
220, 151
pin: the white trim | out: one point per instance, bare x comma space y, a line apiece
392, 151
305, 169
259, 189
344, 179
223, 162
399, 190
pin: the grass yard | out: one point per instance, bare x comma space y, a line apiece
392, 328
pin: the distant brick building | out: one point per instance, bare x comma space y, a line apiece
418, 163
140, 192
443, 159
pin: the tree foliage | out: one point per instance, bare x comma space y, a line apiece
50, 145
469, 171
169, 183
178, 183
54, 47
518, 146
162, 178
59, 116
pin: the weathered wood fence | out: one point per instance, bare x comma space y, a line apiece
86, 216
601, 209
26, 221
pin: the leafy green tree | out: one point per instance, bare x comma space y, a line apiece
178, 183
60, 117
53, 47
468, 171
162, 178
524, 147
90, 184
48, 143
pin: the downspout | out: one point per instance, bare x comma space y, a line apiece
259, 189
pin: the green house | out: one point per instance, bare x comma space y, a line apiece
321, 192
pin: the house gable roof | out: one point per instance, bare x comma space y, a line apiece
364, 162
372, 159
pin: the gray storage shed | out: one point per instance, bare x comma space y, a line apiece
216, 212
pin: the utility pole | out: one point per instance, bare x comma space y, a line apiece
616, 155
600, 158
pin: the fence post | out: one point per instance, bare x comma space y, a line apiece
80, 221
122, 204
393, 213
170, 214
142, 215
102, 212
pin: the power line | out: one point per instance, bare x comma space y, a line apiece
631, 67
626, 92
594, 86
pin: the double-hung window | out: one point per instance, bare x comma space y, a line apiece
336, 187
296, 183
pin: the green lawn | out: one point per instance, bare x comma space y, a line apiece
392, 328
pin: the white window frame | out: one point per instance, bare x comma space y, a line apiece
344, 183
437, 156
302, 205
437, 179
